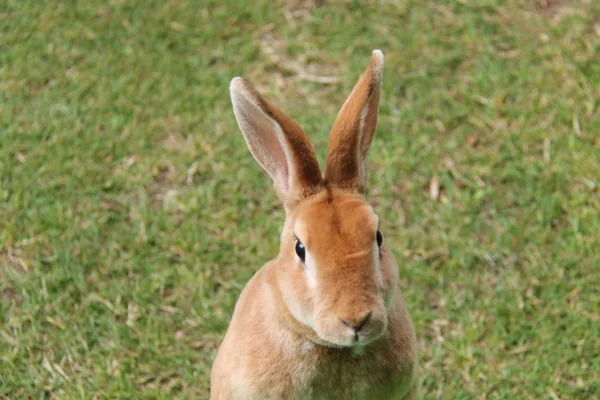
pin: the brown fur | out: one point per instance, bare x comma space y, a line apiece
290, 336
348, 143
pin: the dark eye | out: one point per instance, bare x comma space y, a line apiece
379, 238
300, 250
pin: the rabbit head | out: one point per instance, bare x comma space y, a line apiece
335, 276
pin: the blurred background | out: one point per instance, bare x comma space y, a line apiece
132, 213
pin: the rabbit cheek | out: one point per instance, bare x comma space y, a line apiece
296, 292
389, 276
330, 330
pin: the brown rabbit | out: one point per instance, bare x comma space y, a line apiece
325, 319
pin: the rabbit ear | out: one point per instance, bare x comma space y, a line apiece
353, 130
277, 142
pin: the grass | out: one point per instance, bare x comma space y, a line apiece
132, 214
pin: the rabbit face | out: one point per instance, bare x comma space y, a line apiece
341, 274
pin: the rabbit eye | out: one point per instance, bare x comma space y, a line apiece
379, 238
300, 250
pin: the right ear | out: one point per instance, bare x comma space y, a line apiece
277, 142
353, 130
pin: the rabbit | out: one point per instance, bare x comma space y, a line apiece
325, 319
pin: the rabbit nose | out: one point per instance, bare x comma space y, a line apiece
357, 326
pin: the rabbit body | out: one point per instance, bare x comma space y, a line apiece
278, 363
325, 319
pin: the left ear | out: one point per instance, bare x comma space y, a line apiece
353, 130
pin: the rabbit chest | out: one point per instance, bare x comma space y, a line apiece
286, 367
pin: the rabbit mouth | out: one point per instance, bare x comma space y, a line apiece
356, 341
351, 332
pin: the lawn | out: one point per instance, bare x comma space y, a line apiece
132, 213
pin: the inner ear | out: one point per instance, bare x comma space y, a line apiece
264, 139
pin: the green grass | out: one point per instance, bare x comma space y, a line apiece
132, 213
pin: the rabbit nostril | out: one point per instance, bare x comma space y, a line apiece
363, 321
358, 325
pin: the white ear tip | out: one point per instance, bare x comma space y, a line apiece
377, 57
236, 83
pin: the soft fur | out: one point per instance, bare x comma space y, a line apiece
334, 326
